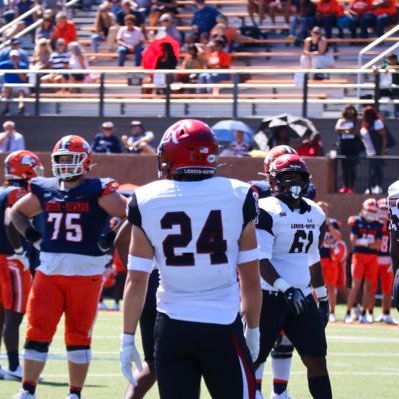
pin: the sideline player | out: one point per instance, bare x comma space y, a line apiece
365, 237
329, 264
76, 211
201, 231
289, 230
15, 277
385, 274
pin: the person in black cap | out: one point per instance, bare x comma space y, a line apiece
15, 44
138, 142
105, 141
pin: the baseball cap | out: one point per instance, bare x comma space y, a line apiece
15, 41
165, 17
107, 125
135, 123
14, 53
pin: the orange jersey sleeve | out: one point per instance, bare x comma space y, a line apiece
15, 195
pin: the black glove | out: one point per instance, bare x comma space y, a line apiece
106, 241
324, 310
395, 291
295, 301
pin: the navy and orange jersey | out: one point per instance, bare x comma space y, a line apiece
8, 196
384, 248
362, 228
328, 242
73, 219
261, 187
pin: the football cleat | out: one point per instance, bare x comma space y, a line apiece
283, 395
73, 396
2, 373
370, 318
358, 312
364, 320
102, 306
387, 319
332, 318
115, 307
22, 394
348, 319
13, 375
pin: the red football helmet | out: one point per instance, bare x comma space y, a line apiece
81, 157
289, 175
370, 209
276, 152
188, 149
383, 210
22, 165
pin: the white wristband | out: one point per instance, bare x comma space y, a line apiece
127, 339
139, 264
248, 256
19, 251
321, 292
281, 284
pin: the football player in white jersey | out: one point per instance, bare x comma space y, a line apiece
290, 229
200, 230
393, 204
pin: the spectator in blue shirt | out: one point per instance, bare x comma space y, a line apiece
14, 45
204, 18
105, 142
12, 78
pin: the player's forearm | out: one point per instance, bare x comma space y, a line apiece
13, 236
21, 222
133, 301
316, 275
268, 272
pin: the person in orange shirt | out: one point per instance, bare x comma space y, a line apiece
356, 12
327, 13
217, 59
383, 13
64, 29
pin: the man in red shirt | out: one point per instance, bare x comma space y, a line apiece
64, 29
383, 13
327, 13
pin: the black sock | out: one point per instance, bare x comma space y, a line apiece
75, 390
279, 386
363, 313
13, 360
320, 387
29, 386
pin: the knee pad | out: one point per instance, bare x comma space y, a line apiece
79, 355
37, 351
282, 349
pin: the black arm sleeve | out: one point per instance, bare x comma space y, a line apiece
250, 207
133, 214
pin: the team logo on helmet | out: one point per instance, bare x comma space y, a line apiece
23, 165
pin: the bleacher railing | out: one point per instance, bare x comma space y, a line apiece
301, 91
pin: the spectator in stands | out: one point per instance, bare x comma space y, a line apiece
374, 138
105, 141
302, 23
15, 44
282, 7
77, 60
139, 141
130, 40
41, 55
326, 16
311, 146
348, 130
128, 8
217, 32
280, 136
237, 148
64, 29
46, 29
160, 7
21, 7
217, 59
204, 18
191, 61
59, 59
316, 53
105, 28
12, 78
354, 14
168, 28
383, 13
391, 67
261, 7
10, 139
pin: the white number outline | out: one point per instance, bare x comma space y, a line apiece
72, 229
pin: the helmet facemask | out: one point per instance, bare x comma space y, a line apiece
69, 171
292, 184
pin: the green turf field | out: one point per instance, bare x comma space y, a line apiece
363, 361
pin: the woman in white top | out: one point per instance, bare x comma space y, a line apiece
374, 138
78, 60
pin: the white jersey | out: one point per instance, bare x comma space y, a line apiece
289, 239
393, 205
194, 228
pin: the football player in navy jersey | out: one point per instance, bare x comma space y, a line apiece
365, 237
290, 229
76, 210
200, 247
15, 278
